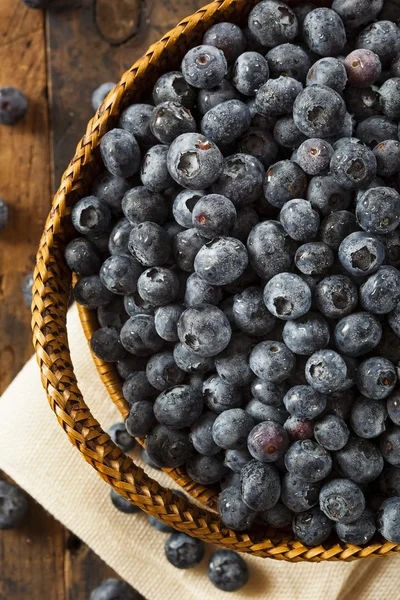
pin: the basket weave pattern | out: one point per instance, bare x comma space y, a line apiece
52, 285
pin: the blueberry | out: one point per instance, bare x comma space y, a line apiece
169, 120
273, 23
231, 429
303, 402
120, 153
331, 432
389, 481
260, 485
307, 334
194, 161
227, 571
388, 520
213, 215
168, 448
113, 588
390, 446
328, 71
378, 210
244, 168
204, 329
376, 378
324, 32
221, 261
287, 296
246, 219
228, 37
337, 226
358, 532
279, 516
319, 111
82, 257
326, 371
272, 361
206, 470
183, 206
270, 249
394, 319
232, 364
120, 274
136, 120
122, 504
13, 105
140, 204
259, 143
277, 96
147, 461
139, 336
342, 500
119, 237
186, 245
178, 406
340, 403
158, 286
91, 215
183, 551
300, 220
355, 14
233, 511
312, 527
250, 72
368, 417
226, 121
154, 171
135, 305
357, 334
251, 314
201, 435
360, 461
382, 37
363, 67
267, 442
299, 429
393, 407
326, 195
26, 289
380, 293
220, 396
204, 66
162, 372
314, 155
172, 86
230, 480
260, 412
137, 387
387, 155
159, 525
299, 495
361, 253
13, 505
121, 437
353, 166
286, 133
199, 291
314, 258
113, 314
149, 244
392, 243
308, 460
289, 60
191, 362
362, 103
267, 392
91, 293
376, 129
110, 189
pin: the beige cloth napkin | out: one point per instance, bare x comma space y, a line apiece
36, 453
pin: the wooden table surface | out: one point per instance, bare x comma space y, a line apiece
57, 59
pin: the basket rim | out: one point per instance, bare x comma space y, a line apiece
52, 284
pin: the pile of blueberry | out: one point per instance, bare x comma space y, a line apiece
242, 251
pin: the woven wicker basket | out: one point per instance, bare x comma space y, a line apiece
52, 284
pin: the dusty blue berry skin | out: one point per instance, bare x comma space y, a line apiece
208, 99
13, 105
14, 505
378, 210
319, 111
233, 511
244, 168
314, 155
113, 588
226, 121
360, 460
357, 334
368, 417
353, 166
358, 532
270, 249
268, 393
387, 156
169, 120
314, 258
297, 494
91, 293
324, 32
279, 516
140, 204
130, 364
136, 120
362, 103
250, 72
90, 215
119, 237
190, 361
184, 204
342, 500
158, 286
288, 60
300, 220
232, 364
81, 256
168, 448
213, 215
221, 261
273, 23
381, 37
228, 37
199, 291
390, 446
307, 334
380, 293
121, 437
354, 15
135, 305
272, 361
100, 92
227, 571
120, 153
120, 274
389, 98
172, 86
277, 96
331, 432
326, 371
137, 387
327, 196
308, 460
376, 129
204, 66
376, 378
259, 143
183, 551
178, 406
312, 527
393, 407
186, 245
166, 321
298, 429
286, 133
260, 485
267, 442
106, 344
328, 71
230, 480
337, 226
204, 329
194, 161
231, 429
220, 396
235, 460
122, 504
260, 412
361, 253
149, 244
111, 189
201, 435
287, 296
363, 67
389, 481
250, 313
154, 171
162, 371
304, 402
206, 470
139, 336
